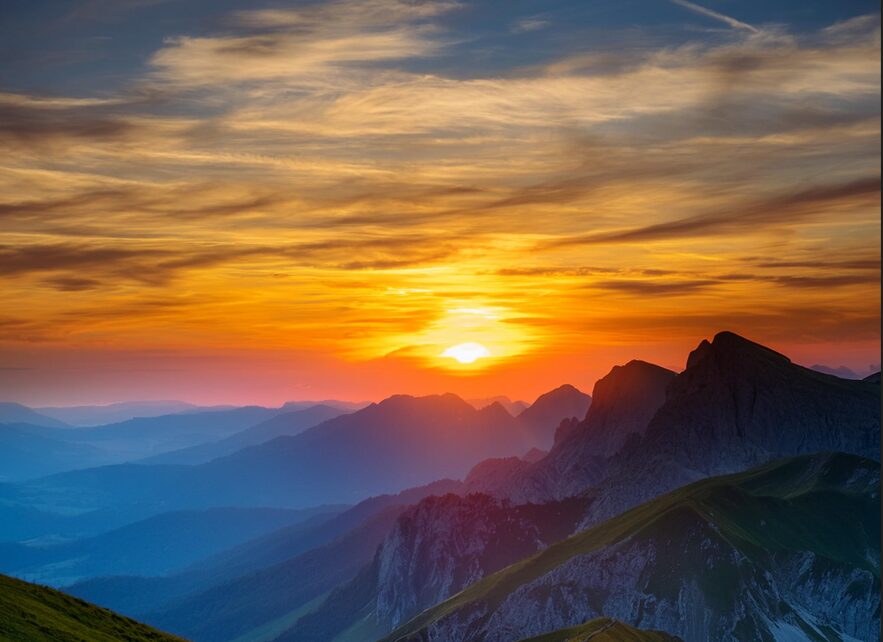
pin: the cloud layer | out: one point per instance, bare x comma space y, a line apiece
322, 178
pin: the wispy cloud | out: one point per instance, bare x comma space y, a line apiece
281, 175
727, 20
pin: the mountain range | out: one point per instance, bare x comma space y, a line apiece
738, 499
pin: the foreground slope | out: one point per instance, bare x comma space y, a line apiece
31, 613
788, 549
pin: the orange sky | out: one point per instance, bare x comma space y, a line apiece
286, 208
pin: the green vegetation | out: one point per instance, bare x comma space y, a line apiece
796, 504
32, 613
603, 630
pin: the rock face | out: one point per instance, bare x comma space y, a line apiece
756, 556
435, 549
737, 405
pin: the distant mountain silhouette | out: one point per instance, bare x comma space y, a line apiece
842, 371
28, 451
399, 443
16, 413
514, 408
154, 546
299, 563
118, 412
544, 414
286, 424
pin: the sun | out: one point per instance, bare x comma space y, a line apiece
467, 352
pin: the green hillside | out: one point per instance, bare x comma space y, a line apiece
790, 506
32, 613
603, 630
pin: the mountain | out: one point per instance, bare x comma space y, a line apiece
514, 408
603, 630
623, 403
15, 413
758, 555
434, 549
31, 613
155, 546
873, 378
402, 442
287, 424
118, 412
544, 414
270, 595
139, 595
739, 404
142, 437
841, 371
26, 452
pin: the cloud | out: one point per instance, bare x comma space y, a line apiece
526, 25
306, 46
727, 20
773, 211
282, 173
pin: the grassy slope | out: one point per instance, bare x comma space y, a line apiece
805, 499
32, 613
603, 630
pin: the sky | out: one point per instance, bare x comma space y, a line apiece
251, 202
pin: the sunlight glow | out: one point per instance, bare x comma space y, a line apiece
467, 352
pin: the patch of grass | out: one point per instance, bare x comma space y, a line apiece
32, 613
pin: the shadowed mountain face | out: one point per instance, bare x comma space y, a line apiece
737, 405
761, 555
31, 613
623, 403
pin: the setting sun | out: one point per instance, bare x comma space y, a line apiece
467, 352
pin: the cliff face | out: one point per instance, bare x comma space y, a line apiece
737, 405
436, 549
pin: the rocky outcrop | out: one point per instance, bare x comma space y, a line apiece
738, 404
436, 549
754, 557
